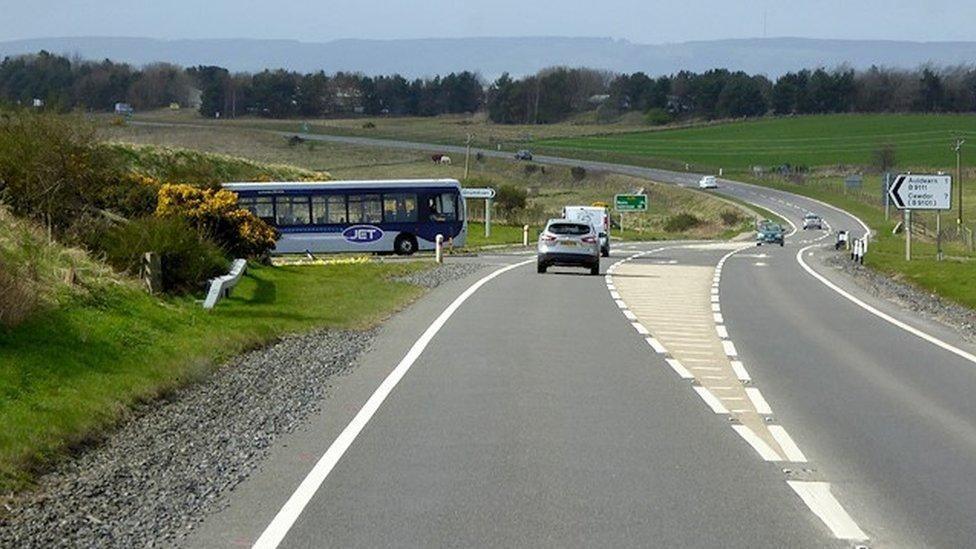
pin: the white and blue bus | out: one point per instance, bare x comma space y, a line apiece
400, 216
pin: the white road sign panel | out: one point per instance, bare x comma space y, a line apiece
921, 192
478, 192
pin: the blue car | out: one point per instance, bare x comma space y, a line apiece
769, 233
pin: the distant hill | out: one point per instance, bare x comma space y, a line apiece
519, 56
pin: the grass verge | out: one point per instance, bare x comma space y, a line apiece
70, 373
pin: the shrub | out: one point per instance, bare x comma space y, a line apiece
368, 126
578, 173
188, 257
681, 223
530, 169
510, 199
657, 117
215, 212
730, 218
18, 297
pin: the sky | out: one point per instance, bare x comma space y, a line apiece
640, 21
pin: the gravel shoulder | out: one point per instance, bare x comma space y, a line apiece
175, 460
957, 317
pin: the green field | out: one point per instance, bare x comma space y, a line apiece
812, 141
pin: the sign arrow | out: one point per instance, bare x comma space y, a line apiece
893, 192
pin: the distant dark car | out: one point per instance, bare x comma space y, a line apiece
523, 154
769, 233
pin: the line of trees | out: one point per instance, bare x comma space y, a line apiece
551, 95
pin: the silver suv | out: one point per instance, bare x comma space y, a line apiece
812, 221
567, 243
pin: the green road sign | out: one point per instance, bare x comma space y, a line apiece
630, 202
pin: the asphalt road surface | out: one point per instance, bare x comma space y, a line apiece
698, 395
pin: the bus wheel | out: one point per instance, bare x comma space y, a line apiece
405, 245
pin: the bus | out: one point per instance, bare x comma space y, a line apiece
400, 216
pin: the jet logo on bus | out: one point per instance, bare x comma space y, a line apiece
362, 234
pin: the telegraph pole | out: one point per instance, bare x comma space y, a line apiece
958, 148
467, 156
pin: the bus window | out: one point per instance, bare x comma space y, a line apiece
291, 210
260, 206
400, 208
442, 207
320, 210
336, 209
365, 208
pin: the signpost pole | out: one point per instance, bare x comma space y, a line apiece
938, 235
621, 224
487, 217
887, 198
908, 235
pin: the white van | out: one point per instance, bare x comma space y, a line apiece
707, 182
598, 217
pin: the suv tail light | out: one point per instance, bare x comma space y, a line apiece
548, 238
589, 239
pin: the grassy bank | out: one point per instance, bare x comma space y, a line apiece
70, 372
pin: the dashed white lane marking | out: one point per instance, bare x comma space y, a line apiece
729, 348
629, 314
758, 401
620, 304
290, 511
656, 345
785, 442
714, 299
722, 331
759, 445
717, 317
818, 498
614, 295
640, 328
712, 402
679, 368
740, 371
716, 307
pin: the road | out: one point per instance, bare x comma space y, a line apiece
707, 395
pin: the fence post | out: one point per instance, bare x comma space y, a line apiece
439, 248
525, 235
152, 272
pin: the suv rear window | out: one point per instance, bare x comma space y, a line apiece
569, 228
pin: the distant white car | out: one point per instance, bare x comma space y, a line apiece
708, 182
812, 221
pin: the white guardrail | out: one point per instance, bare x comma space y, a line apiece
220, 287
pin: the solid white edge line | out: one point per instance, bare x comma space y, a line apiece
656, 345
711, 400
758, 400
764, 450
729, 348
818, 498
680, 369
785, 441
740, 370
292, 509
884, 316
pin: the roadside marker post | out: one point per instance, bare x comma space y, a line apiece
525, 235
439, 248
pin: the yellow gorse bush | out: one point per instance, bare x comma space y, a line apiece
239, 231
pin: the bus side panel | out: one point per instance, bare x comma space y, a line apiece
331, 242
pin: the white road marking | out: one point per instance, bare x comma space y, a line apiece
729, 348
712, 402
722, 332
629, 314
785, 442
740, 371
884, 316
620, 304
758, 401
640, 328
714, 299
717, 317
614, 295
706, 368
679, 368
716, 307
292, 509
759, 445
818, 498
656, 345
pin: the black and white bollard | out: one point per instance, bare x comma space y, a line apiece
439, 248
525, 235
